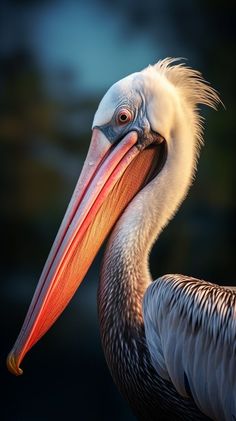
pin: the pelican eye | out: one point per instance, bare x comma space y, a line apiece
123, 117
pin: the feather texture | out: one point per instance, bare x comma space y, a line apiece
190, 327
191, 87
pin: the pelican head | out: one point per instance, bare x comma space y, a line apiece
146, 124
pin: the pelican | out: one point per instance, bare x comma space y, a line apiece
170, 344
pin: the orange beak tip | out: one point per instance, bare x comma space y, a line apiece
13, 365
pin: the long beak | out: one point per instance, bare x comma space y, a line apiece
110, 178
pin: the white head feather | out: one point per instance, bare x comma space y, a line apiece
171, 93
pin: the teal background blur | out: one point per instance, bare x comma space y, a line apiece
57, 59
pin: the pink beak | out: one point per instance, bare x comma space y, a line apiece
110, 178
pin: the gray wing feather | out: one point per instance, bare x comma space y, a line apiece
190, 328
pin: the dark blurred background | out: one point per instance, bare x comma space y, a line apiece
57, 60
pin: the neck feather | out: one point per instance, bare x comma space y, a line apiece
125, 273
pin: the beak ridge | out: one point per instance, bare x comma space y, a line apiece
59, 280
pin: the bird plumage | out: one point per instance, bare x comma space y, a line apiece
132, 239
123, 282
190, 327
169, 344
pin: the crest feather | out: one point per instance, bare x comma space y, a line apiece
194, 87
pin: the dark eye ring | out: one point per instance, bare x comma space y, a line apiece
124, 116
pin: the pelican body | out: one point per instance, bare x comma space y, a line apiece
170, 343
